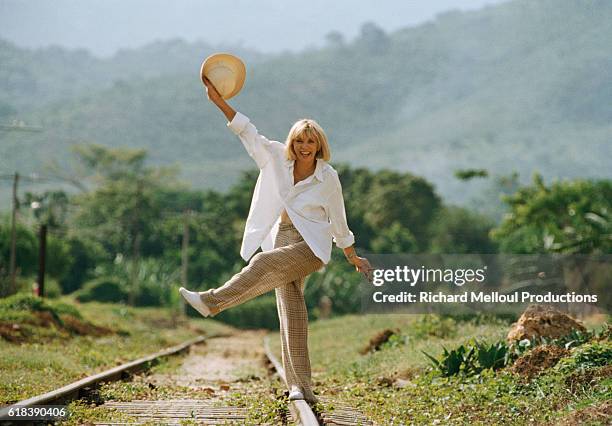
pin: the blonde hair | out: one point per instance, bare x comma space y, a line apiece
309, 129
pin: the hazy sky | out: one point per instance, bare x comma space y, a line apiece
103, 26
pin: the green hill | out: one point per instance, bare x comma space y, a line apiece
518, 86
31, 78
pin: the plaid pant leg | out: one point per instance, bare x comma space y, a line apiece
293, 319
266, 271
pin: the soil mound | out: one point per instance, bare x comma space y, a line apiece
537, 360
543, 321
378, 340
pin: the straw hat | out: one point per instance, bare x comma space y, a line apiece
226, 72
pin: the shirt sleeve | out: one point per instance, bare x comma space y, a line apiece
258, 146
342, 235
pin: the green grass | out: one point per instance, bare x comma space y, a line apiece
369, 382
49, 355
334, 342
394, 385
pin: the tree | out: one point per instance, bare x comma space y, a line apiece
373, 38
394, 239
121, 213
334, 39
489, 202
51, 208
377, 202
565, 217
467, 174
458, 230
405, 199
123, 207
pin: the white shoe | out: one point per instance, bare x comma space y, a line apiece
295, 393
193, 298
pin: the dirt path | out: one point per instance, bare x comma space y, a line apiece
219, 361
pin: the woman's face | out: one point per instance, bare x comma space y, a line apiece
305, 149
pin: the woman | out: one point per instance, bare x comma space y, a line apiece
296, 212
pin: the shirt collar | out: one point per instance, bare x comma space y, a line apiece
318, 168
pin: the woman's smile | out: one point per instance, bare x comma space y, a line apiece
305, 149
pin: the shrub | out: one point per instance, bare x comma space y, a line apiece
52, 288
154, 286
590, 355
103, 289
573, 339
471, 358
434, 325
454, 361
24, 302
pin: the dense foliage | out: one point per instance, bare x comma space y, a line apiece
121, 239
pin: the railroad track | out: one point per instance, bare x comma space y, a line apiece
173, 411
84, 387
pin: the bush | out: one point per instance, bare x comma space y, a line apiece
52, 288
60, 261
459, 230
103, 289
590, 355
471, 358
155, 282
24, 302
85, 255
434, 325
25, 285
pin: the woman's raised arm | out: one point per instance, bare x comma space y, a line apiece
258, 146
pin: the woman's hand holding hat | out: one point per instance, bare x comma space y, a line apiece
211, 91
215, 97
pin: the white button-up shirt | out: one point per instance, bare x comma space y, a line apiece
315, 205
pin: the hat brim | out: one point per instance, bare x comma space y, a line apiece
234, 73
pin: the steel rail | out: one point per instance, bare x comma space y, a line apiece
299, 408
76, 389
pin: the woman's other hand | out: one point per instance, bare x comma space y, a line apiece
211, 92
362, 265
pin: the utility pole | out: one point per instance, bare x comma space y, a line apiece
136, 246
185, 254
15, 126
13, 285
42, 250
